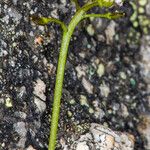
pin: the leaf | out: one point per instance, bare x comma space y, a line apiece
40, 20
116, 15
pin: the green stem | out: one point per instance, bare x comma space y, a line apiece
60, 71
86, 7
60, 77
106, 15
67, 33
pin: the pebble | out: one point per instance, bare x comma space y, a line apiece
20, 128
91, 111
15, 2
110, 32
63, 2
6, 19
22, 92
103, 138
101, 70
30, 148
87, 85
148, 8
39, 89
69, 113
124, 111
82, 146
145, 65
123, 75
90, 30
145, 52
14, 14
2, 101
8, 102
133, 82
20, 114
81, 70
99, 114
144, 128
72, 101
83, 101
39, 98
54, 13
105, 90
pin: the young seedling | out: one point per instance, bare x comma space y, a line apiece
81, 14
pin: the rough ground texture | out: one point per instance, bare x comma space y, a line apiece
106, 80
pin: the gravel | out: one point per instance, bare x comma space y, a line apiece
106, 78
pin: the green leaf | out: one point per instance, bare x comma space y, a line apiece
105, 3
44, 21
41, 20
116, 15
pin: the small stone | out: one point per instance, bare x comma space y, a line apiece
15, 2
82, 146
20, 114
19, 127
144, 63
39, 89
30, 148
110, 32
148, 8
90, 30
82, 54
40, 104
123, 75
72, 101
81, 71
2, 101
144, 128
69, 113
8, 102
63, 143
87, 85
14, 44
99, 114
105, 90
83, 101
133, 82
14, 14
54, 13
103, 138
115, 107
39, 98
22, 92
63, 2
91, 111
124, 111
100, 70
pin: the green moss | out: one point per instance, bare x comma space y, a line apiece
141, 10
142, 2
139, 18
80, 129
133, 37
